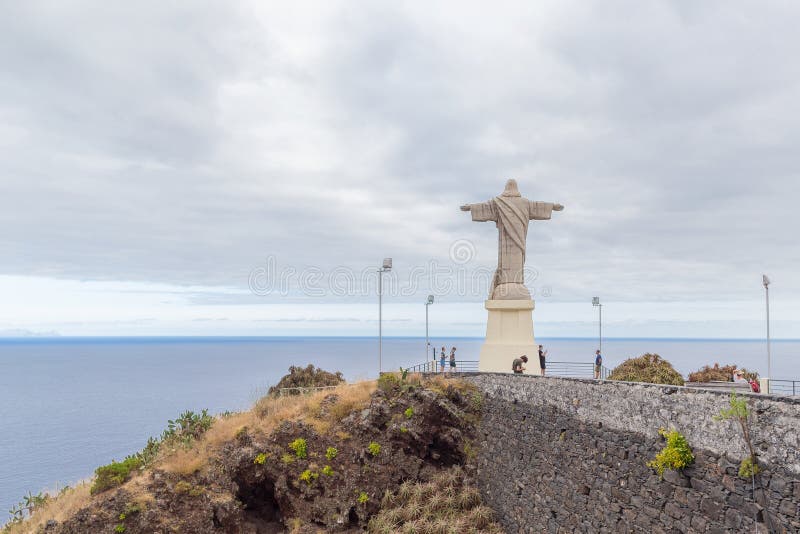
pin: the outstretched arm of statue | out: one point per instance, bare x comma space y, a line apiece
542, 210
482, 211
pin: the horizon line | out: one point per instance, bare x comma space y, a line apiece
254, 337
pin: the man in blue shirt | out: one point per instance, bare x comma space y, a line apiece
598, 364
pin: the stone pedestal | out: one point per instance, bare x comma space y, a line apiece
509, 335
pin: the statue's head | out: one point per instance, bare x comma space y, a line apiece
511, 189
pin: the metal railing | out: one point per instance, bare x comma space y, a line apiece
463, 366
586, 370
575, 369
567, 369
784, 387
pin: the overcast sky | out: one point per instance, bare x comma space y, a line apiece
160, 160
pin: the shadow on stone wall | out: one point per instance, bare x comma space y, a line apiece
548, 465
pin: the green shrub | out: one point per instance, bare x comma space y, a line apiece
187, 427
388, 383
748, 468
260, 459
374, 448
362, 497
649, 368
114, 474
119, 528
675, 455
738, 409
740, 412
29, 504
147, 455
131, 509
299, 446
306, 377
331, 453
327, 471
308, 476
476, 401
409, 413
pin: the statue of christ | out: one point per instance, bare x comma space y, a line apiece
511, 212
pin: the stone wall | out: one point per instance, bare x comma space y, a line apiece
570, 455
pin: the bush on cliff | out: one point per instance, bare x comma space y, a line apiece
306, 377
649, 368
114, 474
187, 426
717, 373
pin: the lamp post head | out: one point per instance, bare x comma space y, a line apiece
765, 280
430, 299
595, 301
387, 264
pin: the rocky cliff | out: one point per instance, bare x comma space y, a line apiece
325, 462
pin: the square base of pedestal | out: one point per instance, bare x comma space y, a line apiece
509, 335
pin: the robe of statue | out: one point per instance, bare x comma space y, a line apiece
511, 213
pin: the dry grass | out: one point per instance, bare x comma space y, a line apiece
266, 415
66, 504
58, 508
225, 428
445, 504
270, 412
186, 461
441, 384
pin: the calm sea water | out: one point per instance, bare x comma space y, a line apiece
68, 405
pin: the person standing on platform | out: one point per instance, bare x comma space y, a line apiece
442, 360
542, 357
453, 360
598, 364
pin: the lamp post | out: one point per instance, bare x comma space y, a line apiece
427, 343
766, 282
387, 266
596, 303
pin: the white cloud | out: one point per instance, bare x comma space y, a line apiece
179, 146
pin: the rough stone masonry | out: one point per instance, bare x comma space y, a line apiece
570, 455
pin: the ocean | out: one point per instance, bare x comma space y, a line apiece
68, 405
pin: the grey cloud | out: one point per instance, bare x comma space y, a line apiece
183, 145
